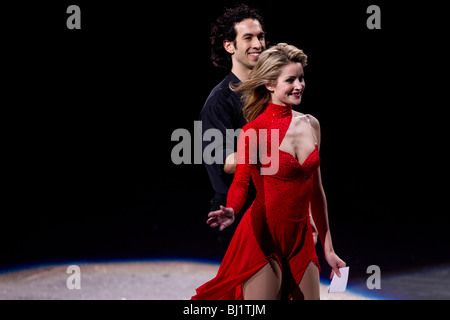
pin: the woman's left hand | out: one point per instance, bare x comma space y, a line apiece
335, 263
222, 218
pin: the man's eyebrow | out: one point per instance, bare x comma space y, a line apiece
252, 34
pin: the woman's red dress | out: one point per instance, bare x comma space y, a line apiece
277, 224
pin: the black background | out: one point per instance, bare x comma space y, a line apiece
88, 118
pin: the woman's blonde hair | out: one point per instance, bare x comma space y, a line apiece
255, 95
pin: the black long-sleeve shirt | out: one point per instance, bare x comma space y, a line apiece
222, 110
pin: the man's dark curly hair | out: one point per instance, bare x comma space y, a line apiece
223, 29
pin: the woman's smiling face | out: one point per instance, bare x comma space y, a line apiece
289, 87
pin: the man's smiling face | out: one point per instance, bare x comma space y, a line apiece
249, 43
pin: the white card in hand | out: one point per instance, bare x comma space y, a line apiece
339, 284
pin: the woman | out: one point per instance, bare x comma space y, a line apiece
272, 254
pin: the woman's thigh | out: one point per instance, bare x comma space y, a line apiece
264, 284
309, 287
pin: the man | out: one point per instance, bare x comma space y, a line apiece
237, 39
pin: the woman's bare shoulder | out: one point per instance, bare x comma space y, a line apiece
313, 120
296, 114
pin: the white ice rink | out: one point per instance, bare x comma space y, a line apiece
148, 280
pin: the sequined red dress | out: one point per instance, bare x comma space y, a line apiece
277, 225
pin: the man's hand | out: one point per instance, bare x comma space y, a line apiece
230, 163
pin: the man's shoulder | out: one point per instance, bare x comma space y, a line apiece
222, 92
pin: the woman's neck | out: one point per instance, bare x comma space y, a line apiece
279, 111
